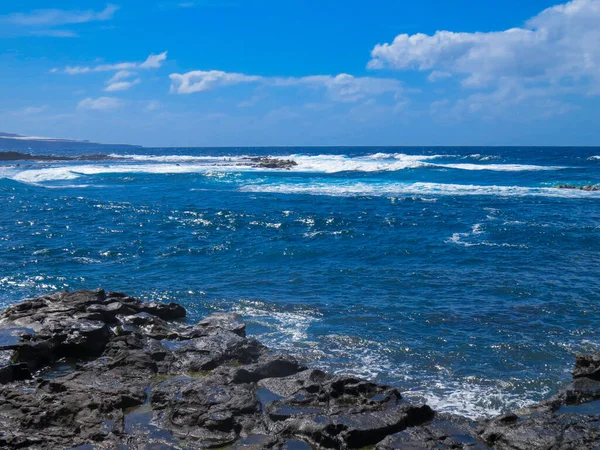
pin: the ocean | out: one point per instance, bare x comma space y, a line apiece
461, 275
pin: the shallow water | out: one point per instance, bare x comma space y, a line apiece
460, 275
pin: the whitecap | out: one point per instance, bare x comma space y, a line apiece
72, 172
475, 400
405, 157
179, 158
500, 167
353, 189
293, 325
343, 163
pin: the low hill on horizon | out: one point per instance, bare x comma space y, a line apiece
21, 143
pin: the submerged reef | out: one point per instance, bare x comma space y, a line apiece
103, 370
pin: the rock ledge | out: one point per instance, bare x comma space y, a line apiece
103, 370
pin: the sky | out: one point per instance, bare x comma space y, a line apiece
302, 72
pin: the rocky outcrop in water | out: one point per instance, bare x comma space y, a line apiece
273, 163
100, 370
587, 187
261, 162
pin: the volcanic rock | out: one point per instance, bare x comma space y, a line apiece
103, 370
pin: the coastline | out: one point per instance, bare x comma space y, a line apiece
95, 369
263, 162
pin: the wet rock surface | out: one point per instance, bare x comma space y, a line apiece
103, 370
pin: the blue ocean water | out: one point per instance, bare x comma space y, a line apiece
460, 275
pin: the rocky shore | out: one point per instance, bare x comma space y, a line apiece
103, 370
263, 162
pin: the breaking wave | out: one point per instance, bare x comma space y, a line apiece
391, 189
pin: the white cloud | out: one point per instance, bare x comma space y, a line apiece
44, 22
341, 88
100, 104
344, 87
120, 75
152, 62
559, 45
56, 17
200, 80
121, 85
118, 81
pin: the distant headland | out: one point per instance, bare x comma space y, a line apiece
19, 143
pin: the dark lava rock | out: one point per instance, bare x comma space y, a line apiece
443, 432
543, 431
587, 187
569, 420
103, 370
587, 366
171, 311
273, 163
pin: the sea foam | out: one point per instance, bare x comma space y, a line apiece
348, 189
326, 164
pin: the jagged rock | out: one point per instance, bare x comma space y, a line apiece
172, 311
96, 369
273, 163
271, 367
543, 431
587, 187
443, 432
587, 366
228, 322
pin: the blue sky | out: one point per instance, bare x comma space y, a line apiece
302, 72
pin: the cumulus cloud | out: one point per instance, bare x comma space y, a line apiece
558, 45
152, 62
342, 88
201, 80
41, 22
100, 104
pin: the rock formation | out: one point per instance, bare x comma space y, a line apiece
102, 370
587, 187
